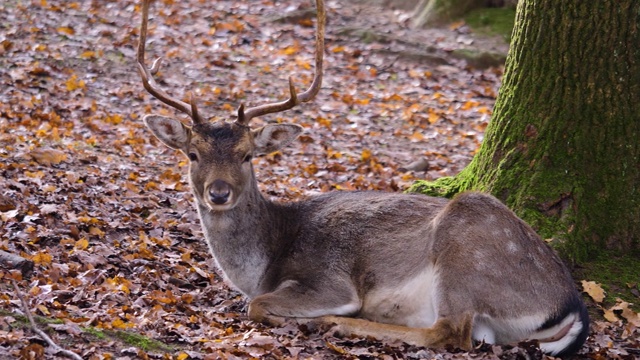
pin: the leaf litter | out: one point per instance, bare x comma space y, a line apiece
104, 211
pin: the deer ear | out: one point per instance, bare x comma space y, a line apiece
272, 137
171, 132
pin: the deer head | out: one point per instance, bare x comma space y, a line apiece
220, 152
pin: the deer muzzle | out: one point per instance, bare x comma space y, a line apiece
220, 192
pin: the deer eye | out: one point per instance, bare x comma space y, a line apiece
247, 158
192, 156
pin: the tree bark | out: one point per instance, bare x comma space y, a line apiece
563, 146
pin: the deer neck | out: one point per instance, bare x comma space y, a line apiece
239, 239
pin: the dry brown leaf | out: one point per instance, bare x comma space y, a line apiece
32, 351
626, 312
610, 315
594, 290
82, 244
48, 157
416, 136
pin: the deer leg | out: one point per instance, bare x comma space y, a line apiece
446, 331
294, 300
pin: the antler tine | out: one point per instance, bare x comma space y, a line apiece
147, 74
244, 117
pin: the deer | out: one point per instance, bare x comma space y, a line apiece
423, 270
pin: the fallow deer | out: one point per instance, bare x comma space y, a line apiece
424, 270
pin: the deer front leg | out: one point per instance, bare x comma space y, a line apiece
446, 331
294, 300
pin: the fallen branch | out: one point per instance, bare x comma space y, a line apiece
11, 261
57, 350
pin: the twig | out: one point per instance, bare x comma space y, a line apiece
56, 349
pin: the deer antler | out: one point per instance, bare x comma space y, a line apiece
147, 74
244, 117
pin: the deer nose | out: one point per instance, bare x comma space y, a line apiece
219, 192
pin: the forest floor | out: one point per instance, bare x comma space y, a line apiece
104, 210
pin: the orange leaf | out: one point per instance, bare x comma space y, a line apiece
364, 101
469, 104
48, 157
311, 169
594, 290
610, 316
96, 231
88, 54
456, 25
366, 155
41, 258
43, 309
73, 83
394, 97
119, 324
186, 298
114, 119
433, 117
306, 22
416, 136
332, 154
324, 122
484, 110
66, 30
186, 257
290, 50
82, 244
623, 308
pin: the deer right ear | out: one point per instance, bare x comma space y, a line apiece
171, 132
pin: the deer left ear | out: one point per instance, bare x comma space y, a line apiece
272, 137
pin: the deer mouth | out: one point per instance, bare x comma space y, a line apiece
215, 206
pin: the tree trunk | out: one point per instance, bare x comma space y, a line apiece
563, 146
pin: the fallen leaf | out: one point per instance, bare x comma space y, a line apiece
626, 312
47, 157
594, 290
66, 30
82, 244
